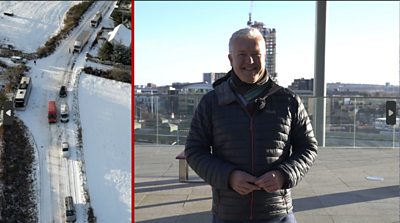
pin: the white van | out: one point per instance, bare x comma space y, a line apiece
64, 112
65, 149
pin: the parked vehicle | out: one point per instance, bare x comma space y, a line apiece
65, 149
8, 13
81, 41
52, 112
18, 59
63, 91
95, 21
64, 112
70, 209
22, 94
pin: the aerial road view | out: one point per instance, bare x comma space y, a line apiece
65, 95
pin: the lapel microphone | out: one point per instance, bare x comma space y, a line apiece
259, 103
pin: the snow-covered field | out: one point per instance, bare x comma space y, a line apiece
102, 108
105, 110
33, 23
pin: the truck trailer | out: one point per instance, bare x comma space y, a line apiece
52, 113
95, 21
81, 41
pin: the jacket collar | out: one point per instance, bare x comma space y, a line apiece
226, 94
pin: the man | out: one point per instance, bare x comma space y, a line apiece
250, 139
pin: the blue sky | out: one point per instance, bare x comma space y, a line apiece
179, 41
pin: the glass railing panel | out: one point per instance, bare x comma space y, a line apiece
164, 119
356, 121
349, 121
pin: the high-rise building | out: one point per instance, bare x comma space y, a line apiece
212, 77
302, 86
270, 44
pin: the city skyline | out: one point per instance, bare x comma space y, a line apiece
179, 41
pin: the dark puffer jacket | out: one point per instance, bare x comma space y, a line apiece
224, 137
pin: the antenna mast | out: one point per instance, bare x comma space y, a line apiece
251, 9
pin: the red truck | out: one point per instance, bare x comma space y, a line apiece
52, 116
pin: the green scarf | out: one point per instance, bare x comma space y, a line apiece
251, 91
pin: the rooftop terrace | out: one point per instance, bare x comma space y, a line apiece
336, 189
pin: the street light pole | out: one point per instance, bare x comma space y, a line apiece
354, 125
156, 105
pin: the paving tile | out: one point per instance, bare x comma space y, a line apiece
200, 217
139, 198
160, 206
334, 191
314, 218
365, 219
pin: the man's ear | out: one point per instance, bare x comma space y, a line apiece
230, 58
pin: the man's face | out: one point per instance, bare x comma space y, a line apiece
248, 59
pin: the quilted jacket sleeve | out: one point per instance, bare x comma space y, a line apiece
199, 143
304, 147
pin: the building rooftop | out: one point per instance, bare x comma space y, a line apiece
121, 35
345, 185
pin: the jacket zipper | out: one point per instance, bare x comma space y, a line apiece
273, 90
252, 163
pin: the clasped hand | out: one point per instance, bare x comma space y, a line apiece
244, 183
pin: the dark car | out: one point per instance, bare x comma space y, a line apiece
63, 92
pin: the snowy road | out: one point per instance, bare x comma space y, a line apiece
59, 177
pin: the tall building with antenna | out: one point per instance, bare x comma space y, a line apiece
270, 43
